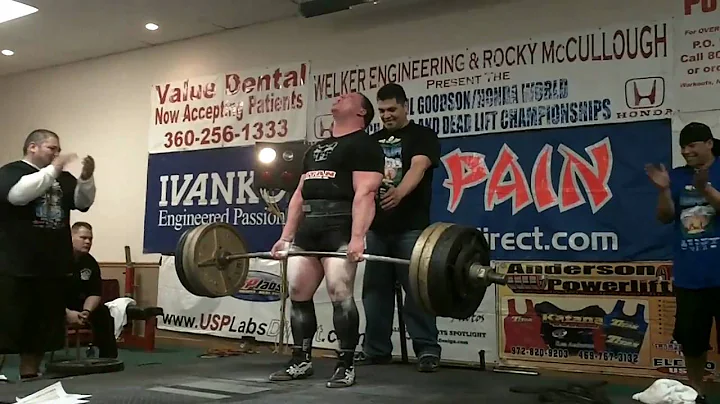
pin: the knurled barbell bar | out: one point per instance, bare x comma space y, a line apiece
449, 269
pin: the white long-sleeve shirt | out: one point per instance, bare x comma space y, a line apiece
32, 186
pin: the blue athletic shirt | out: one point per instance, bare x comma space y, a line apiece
696, 246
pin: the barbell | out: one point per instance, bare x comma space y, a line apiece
449, 268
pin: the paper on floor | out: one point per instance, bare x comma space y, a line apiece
53, 394
665, 391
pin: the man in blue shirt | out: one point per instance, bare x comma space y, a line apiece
689, 198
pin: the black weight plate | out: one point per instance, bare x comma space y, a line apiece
442, 292
469, 302
462, 262
179, 270
85, 366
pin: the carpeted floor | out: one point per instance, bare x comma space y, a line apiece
179, 376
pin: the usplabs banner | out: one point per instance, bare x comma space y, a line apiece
571, 194
186, 190
615, 74
227, 110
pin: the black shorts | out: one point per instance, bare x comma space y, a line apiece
32, 315
694, 314
326, 234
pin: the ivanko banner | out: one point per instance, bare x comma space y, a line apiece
254, 311
615, 74
569, 194
186, 190
232, 109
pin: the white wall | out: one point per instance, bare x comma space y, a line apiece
101, 107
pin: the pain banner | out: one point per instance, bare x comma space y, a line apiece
571, 194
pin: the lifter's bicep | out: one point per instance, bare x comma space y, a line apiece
366, 182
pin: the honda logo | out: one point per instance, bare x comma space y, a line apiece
645, 92
323, 126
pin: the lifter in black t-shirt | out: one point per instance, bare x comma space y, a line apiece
84, 294
331, 210
36, 197
411, 154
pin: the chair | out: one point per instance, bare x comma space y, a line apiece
81, 335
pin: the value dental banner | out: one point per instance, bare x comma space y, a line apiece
229, 109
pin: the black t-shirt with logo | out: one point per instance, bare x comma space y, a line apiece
399, 147
329, 165
574, 330
35, 238
86, 281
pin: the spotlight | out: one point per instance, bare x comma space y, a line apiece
266, 155
278, 165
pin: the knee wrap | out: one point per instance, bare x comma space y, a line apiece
303, 324
346, 320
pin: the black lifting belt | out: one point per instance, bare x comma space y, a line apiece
326, 208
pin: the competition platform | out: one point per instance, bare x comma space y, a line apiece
244, 379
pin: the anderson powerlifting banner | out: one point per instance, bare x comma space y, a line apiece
571, 194
188, 189
591, 316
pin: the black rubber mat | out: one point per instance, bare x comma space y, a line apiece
243, 379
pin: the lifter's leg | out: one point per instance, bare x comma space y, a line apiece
340, 281
304, 275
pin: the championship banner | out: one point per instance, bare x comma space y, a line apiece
254, 311
186, 190
612, 75
594, 317
571, 193
697, 55
228, 110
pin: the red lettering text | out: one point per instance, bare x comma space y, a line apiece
541, 181
707, 6
187, 92
319, 175
594, 177
279, 79
465, 170
507, 180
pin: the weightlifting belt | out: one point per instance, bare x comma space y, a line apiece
326, 208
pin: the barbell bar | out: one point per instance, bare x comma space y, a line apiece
449, 268
318, 254
476, 270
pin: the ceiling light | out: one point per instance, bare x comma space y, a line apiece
151, 26
10, 10
7, 52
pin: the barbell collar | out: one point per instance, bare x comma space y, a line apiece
486, 274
